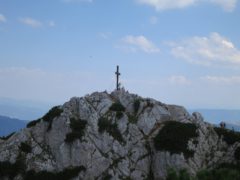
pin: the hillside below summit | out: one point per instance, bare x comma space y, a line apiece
115, 136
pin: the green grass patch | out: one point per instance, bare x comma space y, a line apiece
24, 147
104, 125
174, 137
229, 136
78, 130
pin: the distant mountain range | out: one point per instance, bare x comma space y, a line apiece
9, 125
20, 109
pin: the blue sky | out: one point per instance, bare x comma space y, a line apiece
183, 52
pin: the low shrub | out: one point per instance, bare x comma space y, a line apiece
229, 166
149, 103
7, 137
72, 136
181, 175
119, 114
66, 174
223, 172
52, 113
105, 125
107, 177
78, 125
11, 170
132, 119
78, 130
174, 137
237, 153
24, 147
33, 123
117, 106
230, 137
150, 175
48, 117
136, 105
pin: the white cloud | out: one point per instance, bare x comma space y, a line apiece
2, 18
179, 80
161, 5
167, 4
31, 22
135, 43
223, 80
214, 50
227, 5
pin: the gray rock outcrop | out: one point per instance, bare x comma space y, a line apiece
112, 136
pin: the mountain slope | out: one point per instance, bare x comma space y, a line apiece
9, 125
115, 136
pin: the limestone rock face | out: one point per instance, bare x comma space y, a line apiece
112, 136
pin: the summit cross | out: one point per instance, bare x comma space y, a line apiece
117, 76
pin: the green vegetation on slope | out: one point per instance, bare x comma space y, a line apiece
222, 172
117, 106
105, 125
11, 170
7, 137
174, 137
229, 136
136, 105
78, 130
66, 174
33, 123
237, 153
48, 117
24, 147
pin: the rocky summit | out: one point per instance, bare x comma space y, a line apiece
115, 136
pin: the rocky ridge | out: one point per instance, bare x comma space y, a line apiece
114, 136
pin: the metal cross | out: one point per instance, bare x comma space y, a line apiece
117, 75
